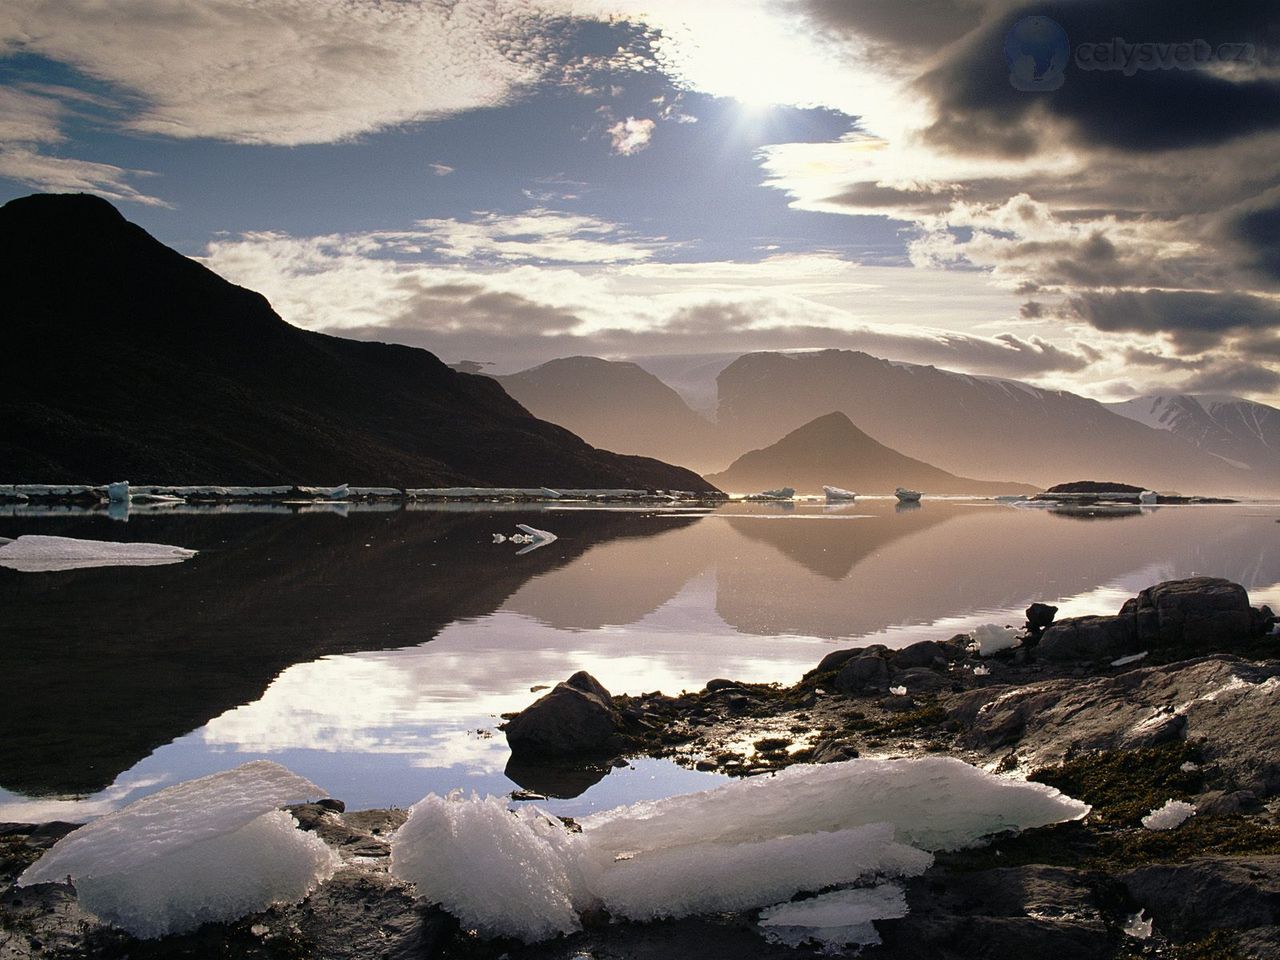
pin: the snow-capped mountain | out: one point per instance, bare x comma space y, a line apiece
1238, 431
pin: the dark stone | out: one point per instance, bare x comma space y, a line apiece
864, 674
577, 718
337, 806
833, 751
1088, 638
898, 703
720, 684
923, 654
1197, 611
1220, 804
1040, 615
1193, 899
836, 659
922, 680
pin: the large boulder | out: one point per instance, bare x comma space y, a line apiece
926, 653
577, 718
868, 673
1088, 638
1191, 900
1198, 611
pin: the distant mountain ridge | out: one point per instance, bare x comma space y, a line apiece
830, 450
1238, 431
138, 363
613, 402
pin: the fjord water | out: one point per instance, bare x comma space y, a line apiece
373, 650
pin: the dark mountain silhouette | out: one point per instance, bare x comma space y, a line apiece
129, 360
977, 426
831, 450
613, 404
1235, 430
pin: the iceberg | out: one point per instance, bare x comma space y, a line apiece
535, 538
837, 494
907, 496
1148, 496
747, 844
204, 850
118, 492
992, 638
1172, 815
35, 553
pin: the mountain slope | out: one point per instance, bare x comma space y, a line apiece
139, 363
977, 426
1238, 431
612, 404
831, 450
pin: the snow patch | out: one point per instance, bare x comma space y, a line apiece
37, 553
204, 850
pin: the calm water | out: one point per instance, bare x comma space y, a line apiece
373, 650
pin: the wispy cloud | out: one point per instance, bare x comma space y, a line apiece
631, 135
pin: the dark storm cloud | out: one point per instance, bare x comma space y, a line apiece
1260, 230
1194, 321
1150, 110
916, 24
1234, 377
466, 306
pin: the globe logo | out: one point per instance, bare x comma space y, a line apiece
1037, 51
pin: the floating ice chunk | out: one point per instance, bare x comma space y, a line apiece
535, 538
898, 691
981, 671
835, 919
743, 845
501, 873
210, 849
1138, 926
1132, 658
118, 492
1172, 815
499, 538
992, 638
35, 553
1148, 496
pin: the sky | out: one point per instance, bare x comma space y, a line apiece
1081, 194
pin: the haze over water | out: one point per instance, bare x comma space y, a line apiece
374, 652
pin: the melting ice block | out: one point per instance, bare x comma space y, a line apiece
835, 919
1172, 815
992, 638
204, 850
33, 553
743, 845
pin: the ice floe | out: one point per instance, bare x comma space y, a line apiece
1172, 815
37, 553
747, 844
204, 850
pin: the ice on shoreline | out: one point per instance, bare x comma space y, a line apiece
36, 554
836, 919
748, 844
204, 850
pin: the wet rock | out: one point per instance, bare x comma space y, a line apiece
1218, 803
926, 653
721, 684
837, 659
577, 718
868, 673
1191, 900
1003, 914
898, 703
1088, 638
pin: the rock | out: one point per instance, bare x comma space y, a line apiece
923, 654
720, 684
1088, 638
836, 659
921, 680
833, 751
1218, 803
337, 806
1002, 914
868, 673
1226, 703
898, 703
1192, 899
577, 718
1039, 618
1199, 611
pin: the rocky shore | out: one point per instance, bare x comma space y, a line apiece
1174, 698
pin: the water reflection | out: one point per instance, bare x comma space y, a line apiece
375, 652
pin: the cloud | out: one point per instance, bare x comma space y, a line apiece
65, 175
1176, 311
30, 118
630, 135
290, 72
440, 169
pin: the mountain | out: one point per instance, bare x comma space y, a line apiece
1234, 430
831, 450
976, 426
138, 363
612, 404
